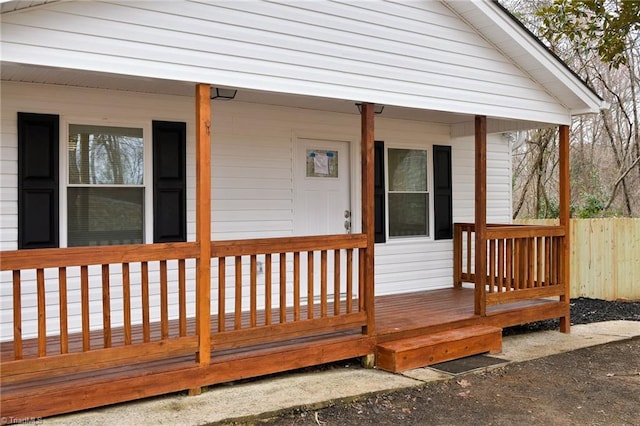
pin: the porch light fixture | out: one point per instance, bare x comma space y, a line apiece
223, 94
377, 109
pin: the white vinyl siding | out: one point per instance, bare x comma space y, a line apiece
416, 54
425, 264
95, 106
252, 180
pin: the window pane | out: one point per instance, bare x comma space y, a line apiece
408, 215
105, 216
105, 155
407, 170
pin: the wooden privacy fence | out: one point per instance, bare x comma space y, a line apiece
523, 262
605, 257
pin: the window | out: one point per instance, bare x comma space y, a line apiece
402, 198
104, 183
408, 194
105, 192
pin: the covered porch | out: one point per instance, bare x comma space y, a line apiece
261, 305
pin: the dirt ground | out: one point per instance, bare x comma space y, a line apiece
592, 386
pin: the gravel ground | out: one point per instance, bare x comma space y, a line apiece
585, 311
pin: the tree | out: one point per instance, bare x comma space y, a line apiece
600, 41
601, 24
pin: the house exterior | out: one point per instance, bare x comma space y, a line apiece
135, 201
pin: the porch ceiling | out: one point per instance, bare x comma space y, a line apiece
461, 124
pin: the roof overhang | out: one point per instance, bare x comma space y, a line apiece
515, 41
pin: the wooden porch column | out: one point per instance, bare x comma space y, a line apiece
203, 221
368, 211
565, 215
480, 305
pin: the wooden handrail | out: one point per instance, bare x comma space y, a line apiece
526, 231
95, 255
287, 244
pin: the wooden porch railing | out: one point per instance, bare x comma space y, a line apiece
322, 275
57, 274
125, 297
523, 262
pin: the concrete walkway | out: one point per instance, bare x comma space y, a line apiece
318, 389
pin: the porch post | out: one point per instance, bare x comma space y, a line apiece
480, 305
565, 215
203, 221
368, 209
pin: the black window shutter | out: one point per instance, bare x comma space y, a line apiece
443, 192
38, 168
379, 196
169, 181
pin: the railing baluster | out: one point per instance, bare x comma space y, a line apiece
296, 286
238, 294
469, 253
323, 283
17, 316
42, 314
349, 281
547, 261
126, 302
457, 255
556, 252
361, 274
146, 329
84, 291
268, 291
539, 260
492, 266
531, 254
106, 306
509, 259
283, 288
253, 293
336, 282
64, 312
164, 301
310, 284
182, 298
222, 286
500, 276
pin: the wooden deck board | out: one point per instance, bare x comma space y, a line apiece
397, 316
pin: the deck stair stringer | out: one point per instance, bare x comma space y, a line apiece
447, 345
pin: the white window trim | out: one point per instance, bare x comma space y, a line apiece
430, 207
64, 171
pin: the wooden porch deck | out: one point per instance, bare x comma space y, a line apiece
397, 317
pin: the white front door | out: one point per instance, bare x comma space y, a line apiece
322, 187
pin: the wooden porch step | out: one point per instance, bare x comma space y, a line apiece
415, 352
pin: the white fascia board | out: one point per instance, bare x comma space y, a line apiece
591, 103
35, 55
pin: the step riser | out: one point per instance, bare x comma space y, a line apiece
420, 352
